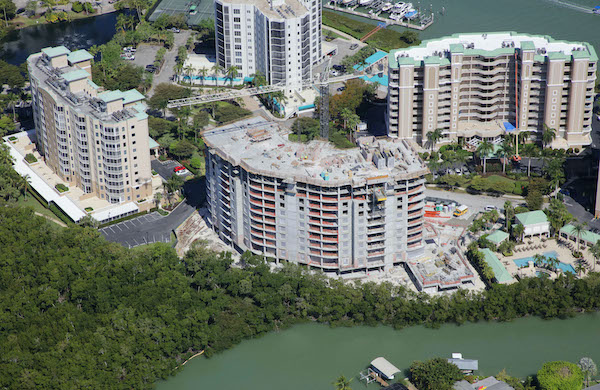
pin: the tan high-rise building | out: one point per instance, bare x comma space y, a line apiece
474, 86
93, 139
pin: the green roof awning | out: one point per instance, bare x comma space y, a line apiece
79, 56
498, 237
586, 236
500, 272
75, 75
532, 217
55, 51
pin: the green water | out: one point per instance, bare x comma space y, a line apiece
561, 20
311, 356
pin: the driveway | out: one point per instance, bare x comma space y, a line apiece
153, 227
167, 69
165, 168
145, 54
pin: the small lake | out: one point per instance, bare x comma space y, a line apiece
312, 356
78, 34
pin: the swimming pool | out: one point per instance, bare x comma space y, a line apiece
522, 262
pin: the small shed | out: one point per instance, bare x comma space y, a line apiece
498, 237
384, 368
465, 365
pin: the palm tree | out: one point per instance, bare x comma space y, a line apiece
578, 231
232, 73
518, 230
506, 149
548, 136
531, 151
342, 383
579, 268
352, 123
12, 100
555, 173
509, 213
189, 71
595, 251
157, 199
202, 72
484, 149
216, 69
433, 137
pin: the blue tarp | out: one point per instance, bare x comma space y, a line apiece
509, 127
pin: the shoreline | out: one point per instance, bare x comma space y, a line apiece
19, 25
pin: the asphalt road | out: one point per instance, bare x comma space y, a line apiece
153, 227
167, 69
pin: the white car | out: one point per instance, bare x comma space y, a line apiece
489, 207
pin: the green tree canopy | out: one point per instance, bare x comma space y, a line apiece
434, 374
560, 375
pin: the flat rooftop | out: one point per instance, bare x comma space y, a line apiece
441, 270
493, 44
263, 147
277, 9
58, 79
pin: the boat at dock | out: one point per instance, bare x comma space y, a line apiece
596, 10
364, 3
386, 7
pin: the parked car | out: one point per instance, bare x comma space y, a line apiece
353, 46
335, 72
180, 170
458, 171
341, 89
130, 49
489, 207
175, 29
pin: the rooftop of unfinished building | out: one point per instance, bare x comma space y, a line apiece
276, 9
491, 44
263, 147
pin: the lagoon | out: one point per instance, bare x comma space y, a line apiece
311, 356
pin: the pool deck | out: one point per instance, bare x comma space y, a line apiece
551, 245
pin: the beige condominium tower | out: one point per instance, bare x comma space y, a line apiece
475, 86
94, 139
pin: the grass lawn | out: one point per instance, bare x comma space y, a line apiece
38, 207
385, 39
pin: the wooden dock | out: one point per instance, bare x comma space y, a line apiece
379, 379
387, 21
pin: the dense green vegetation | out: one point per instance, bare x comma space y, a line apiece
78, 311
560, 376
385, 39
434, 374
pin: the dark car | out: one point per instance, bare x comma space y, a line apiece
353, 46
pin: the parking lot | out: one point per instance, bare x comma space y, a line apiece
123, 232
145, 55
165, 169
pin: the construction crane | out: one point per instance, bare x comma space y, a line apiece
324, 108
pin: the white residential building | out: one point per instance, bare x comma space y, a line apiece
279, 38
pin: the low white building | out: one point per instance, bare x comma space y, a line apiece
535, 223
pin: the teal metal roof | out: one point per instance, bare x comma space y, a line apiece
393, 62
532, 217
527, 45
93, 84
152, 144
586, 236
133, 95
75, 75
457, 48
500, 272
79, 56
55, 51
497, 237
372, 59
111, 96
